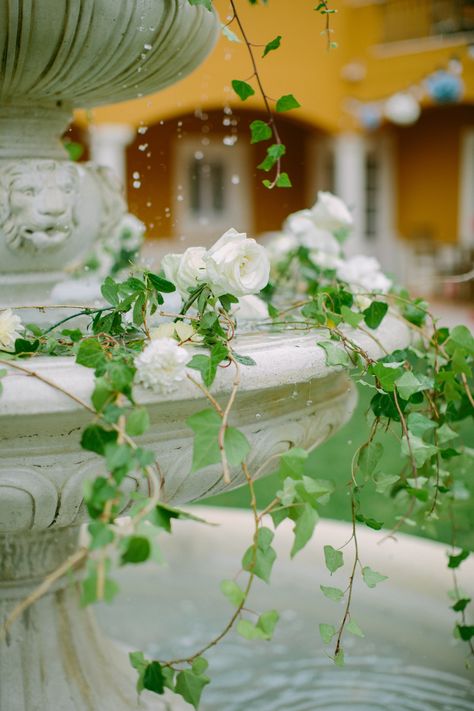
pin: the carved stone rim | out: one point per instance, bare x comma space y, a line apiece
286, 357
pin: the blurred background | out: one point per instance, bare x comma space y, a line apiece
386, 122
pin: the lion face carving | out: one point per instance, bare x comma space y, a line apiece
38, 204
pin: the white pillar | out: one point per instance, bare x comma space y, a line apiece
108, 143
349, 163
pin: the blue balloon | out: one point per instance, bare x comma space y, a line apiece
445, 88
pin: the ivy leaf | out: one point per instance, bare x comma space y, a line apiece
272, 46
260, 131
353, 318
153, 678
371, 577
327, 632
283, 181
334, 559
236, 446
419, 450
461, 604
461, 337
409, 384
101, 535
369, 457
446, 434
95, 438
205, 425
205, 3
419, 424
267, 623
335, 354
243, 360
456, 560
375, 314
242, 89
249, 631
274, 152
354, 628
466, 632
190, 686
304, 528
261, 562
138, 422
233, 592
137, 550
383, 482
339, 658
335, 594
286, 103
292, 463
387, 374
90, 353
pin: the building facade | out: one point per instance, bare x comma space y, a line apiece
386, 121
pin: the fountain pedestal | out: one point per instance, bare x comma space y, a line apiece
290, 398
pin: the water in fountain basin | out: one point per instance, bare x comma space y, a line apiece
407, 661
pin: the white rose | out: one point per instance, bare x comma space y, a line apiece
250, 308
325, 260
364, 274
308, 234
237, 265
278, 246
131, 231
10, 326
331, 213
161, 365
185, 270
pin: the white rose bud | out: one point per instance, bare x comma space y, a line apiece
185, 270
10, 326
331, 213
364, 274
237, 265
162, 365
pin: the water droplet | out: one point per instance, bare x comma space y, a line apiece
180, 198
229, 140
137, 184
309, 403
258, 416
235, 179
136, 175
143, 147
205, 141
199, 155
226, 122
294, 394
142, 129
149, 204
147, 47
227, 110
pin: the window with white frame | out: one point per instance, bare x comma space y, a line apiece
211, 188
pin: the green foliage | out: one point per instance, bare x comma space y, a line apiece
334, 559
272, 46
242, 89
260, 131
371, 577
287, 103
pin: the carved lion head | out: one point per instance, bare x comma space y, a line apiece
38, 204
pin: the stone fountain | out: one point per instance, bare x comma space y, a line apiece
57, 55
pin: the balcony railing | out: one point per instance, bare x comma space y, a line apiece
414, 19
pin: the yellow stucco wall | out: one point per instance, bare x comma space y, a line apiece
303, 66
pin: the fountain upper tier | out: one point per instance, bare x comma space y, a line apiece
91, 52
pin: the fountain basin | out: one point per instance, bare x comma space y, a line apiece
54, 656
408, 660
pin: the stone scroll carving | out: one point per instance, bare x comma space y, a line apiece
38, 204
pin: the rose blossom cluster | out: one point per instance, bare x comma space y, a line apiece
318, 230
10, 327
235, 265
